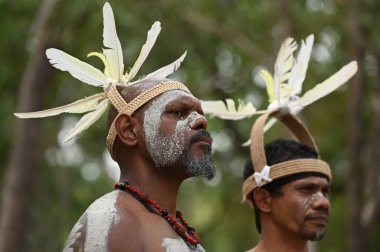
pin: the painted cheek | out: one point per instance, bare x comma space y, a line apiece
309, 200
185, 125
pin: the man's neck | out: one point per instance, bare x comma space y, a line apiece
278, 241
284, 247
161, 189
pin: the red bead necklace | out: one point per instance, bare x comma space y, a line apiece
181, 227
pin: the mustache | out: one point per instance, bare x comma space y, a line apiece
321, 214
199, 135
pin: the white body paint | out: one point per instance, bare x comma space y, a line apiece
100, 216
73, 236
178, 245
166, 149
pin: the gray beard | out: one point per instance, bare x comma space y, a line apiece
199, 166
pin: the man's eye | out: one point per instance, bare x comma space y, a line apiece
177, 113
306, 189
326, 192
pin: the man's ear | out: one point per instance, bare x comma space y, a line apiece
125, 127
263, 200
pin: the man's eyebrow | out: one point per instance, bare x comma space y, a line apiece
180, 101
311, 184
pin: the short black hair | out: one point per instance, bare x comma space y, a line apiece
276, 152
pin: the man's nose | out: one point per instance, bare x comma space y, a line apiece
199, 122
321, 202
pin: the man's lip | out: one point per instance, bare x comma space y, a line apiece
321, 219
204, 139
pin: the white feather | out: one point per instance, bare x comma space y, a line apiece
269, 124
228, 110
111, 42
298, 73
283, 65
151, 39
163, 72
78, 69
329, 85
79, 106
87, 120
268, 79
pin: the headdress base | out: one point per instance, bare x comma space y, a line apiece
130, 108
263, 176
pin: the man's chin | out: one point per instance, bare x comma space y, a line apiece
203, 167
315, 235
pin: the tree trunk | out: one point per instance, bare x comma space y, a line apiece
285, 19
357, 239
24, 159
371, 209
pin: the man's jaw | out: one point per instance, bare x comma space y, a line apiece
199, 163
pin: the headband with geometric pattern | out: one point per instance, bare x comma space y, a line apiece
264, 173
129, 108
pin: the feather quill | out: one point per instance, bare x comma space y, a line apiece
111, 42
283, 65
79, 106
78, 69
163, 72
151, 39
298, 73
87, 120
329, 85
228, 110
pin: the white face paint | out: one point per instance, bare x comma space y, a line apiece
165, 150
178, 245
309, 200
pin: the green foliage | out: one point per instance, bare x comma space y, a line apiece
219, 64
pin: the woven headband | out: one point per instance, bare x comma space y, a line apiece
130, 108
264, 173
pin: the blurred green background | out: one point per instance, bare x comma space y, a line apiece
227, 41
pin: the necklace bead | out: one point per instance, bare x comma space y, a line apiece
181, 227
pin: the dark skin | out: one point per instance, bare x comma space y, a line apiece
137, 229
290, 220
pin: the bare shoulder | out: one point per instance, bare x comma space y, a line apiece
125, 232
138, 229
118, 222
90, 233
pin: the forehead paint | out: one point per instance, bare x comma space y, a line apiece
164, 150
100, 216
178, 245
309, 200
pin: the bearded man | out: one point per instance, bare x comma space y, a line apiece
164, 142
156, 133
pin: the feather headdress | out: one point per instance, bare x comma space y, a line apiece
285, 86
265, 173
112, 56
